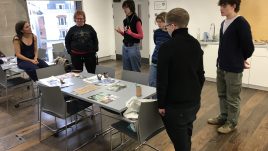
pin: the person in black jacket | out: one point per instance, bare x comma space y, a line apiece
235, 47
133, 34
180, 78
82, 43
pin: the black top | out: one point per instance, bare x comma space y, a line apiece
82, 39
180, 73
26, 50
131, 22
235, 46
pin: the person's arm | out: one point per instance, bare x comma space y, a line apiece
162, 76
120, 31
16, 44
95, 40
200, 71
68, 39
154, 37
246, 39
139, 35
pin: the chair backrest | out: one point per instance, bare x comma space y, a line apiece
103, 69
3, 78
42, 54
58, 47
52, 101
50, 71
136, 77
59, 50
149, 121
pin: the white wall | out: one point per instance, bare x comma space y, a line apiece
99, 14
202, 14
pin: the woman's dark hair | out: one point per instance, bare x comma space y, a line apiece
19, 27
231, 2
130, 4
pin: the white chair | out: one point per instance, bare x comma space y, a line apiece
54, 70
59, 50
148, 124
54, 103
42, 54
58, 47
136, 77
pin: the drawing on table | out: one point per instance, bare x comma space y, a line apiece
103, 97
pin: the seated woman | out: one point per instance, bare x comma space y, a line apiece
25, 45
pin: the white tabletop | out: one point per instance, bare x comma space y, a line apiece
118, 105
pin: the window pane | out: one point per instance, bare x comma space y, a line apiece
50, 20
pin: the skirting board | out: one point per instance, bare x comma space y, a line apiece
113, 57
243, 85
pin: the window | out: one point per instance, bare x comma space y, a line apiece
63, 34
62, 20
48, 28
60, 6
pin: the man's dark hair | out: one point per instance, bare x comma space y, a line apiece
231, 2
130, 4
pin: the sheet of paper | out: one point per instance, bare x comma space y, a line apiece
85, 89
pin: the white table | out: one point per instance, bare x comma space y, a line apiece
119, 105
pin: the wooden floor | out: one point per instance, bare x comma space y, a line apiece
19, 129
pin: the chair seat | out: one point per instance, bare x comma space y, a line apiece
75, 106
122, 126
16, 81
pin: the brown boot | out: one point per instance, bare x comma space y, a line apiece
216, 121
226, 128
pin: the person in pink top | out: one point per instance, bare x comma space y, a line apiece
132, 33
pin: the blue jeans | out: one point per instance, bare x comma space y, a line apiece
131, 58
152, 76
30, 68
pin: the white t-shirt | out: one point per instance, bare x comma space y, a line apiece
227, 22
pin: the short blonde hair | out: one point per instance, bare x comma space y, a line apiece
178, 16
161, 16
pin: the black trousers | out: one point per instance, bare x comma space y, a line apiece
179, 125
90, 62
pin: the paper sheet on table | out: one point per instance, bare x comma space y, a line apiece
54, 81
103, 82
85, 89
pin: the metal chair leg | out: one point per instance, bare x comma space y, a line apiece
55, 119
111, 139
40, 125
7, 99
66, 139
